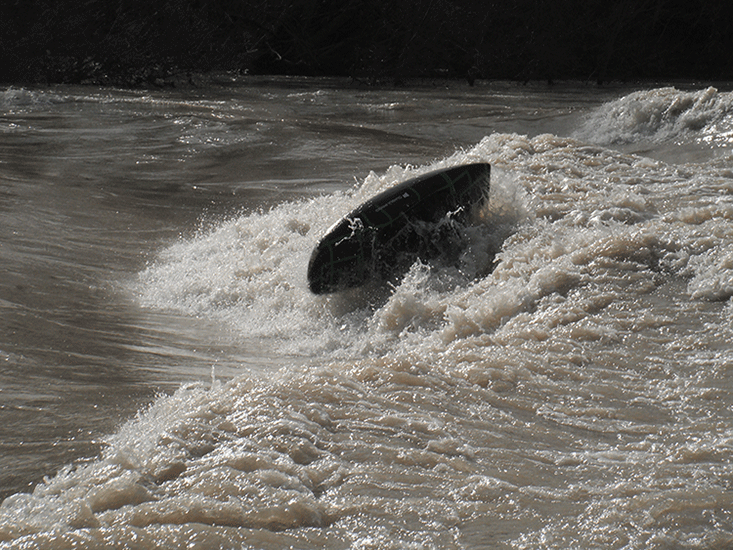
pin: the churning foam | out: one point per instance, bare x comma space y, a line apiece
250, 271
664, 114
558, 209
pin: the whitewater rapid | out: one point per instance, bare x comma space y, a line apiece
567, 385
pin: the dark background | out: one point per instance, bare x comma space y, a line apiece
151, 43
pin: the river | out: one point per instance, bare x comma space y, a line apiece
167, 380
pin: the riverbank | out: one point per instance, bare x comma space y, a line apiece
132, 43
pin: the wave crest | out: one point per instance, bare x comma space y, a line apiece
662, 114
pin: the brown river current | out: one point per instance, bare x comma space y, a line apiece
167, 380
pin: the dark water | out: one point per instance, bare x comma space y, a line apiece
577, 396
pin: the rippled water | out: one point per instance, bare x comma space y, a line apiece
167, 370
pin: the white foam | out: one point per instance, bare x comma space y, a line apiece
21, 98
661, 114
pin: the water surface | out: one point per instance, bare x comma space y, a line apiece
168, 380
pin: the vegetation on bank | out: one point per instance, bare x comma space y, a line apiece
146, 42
